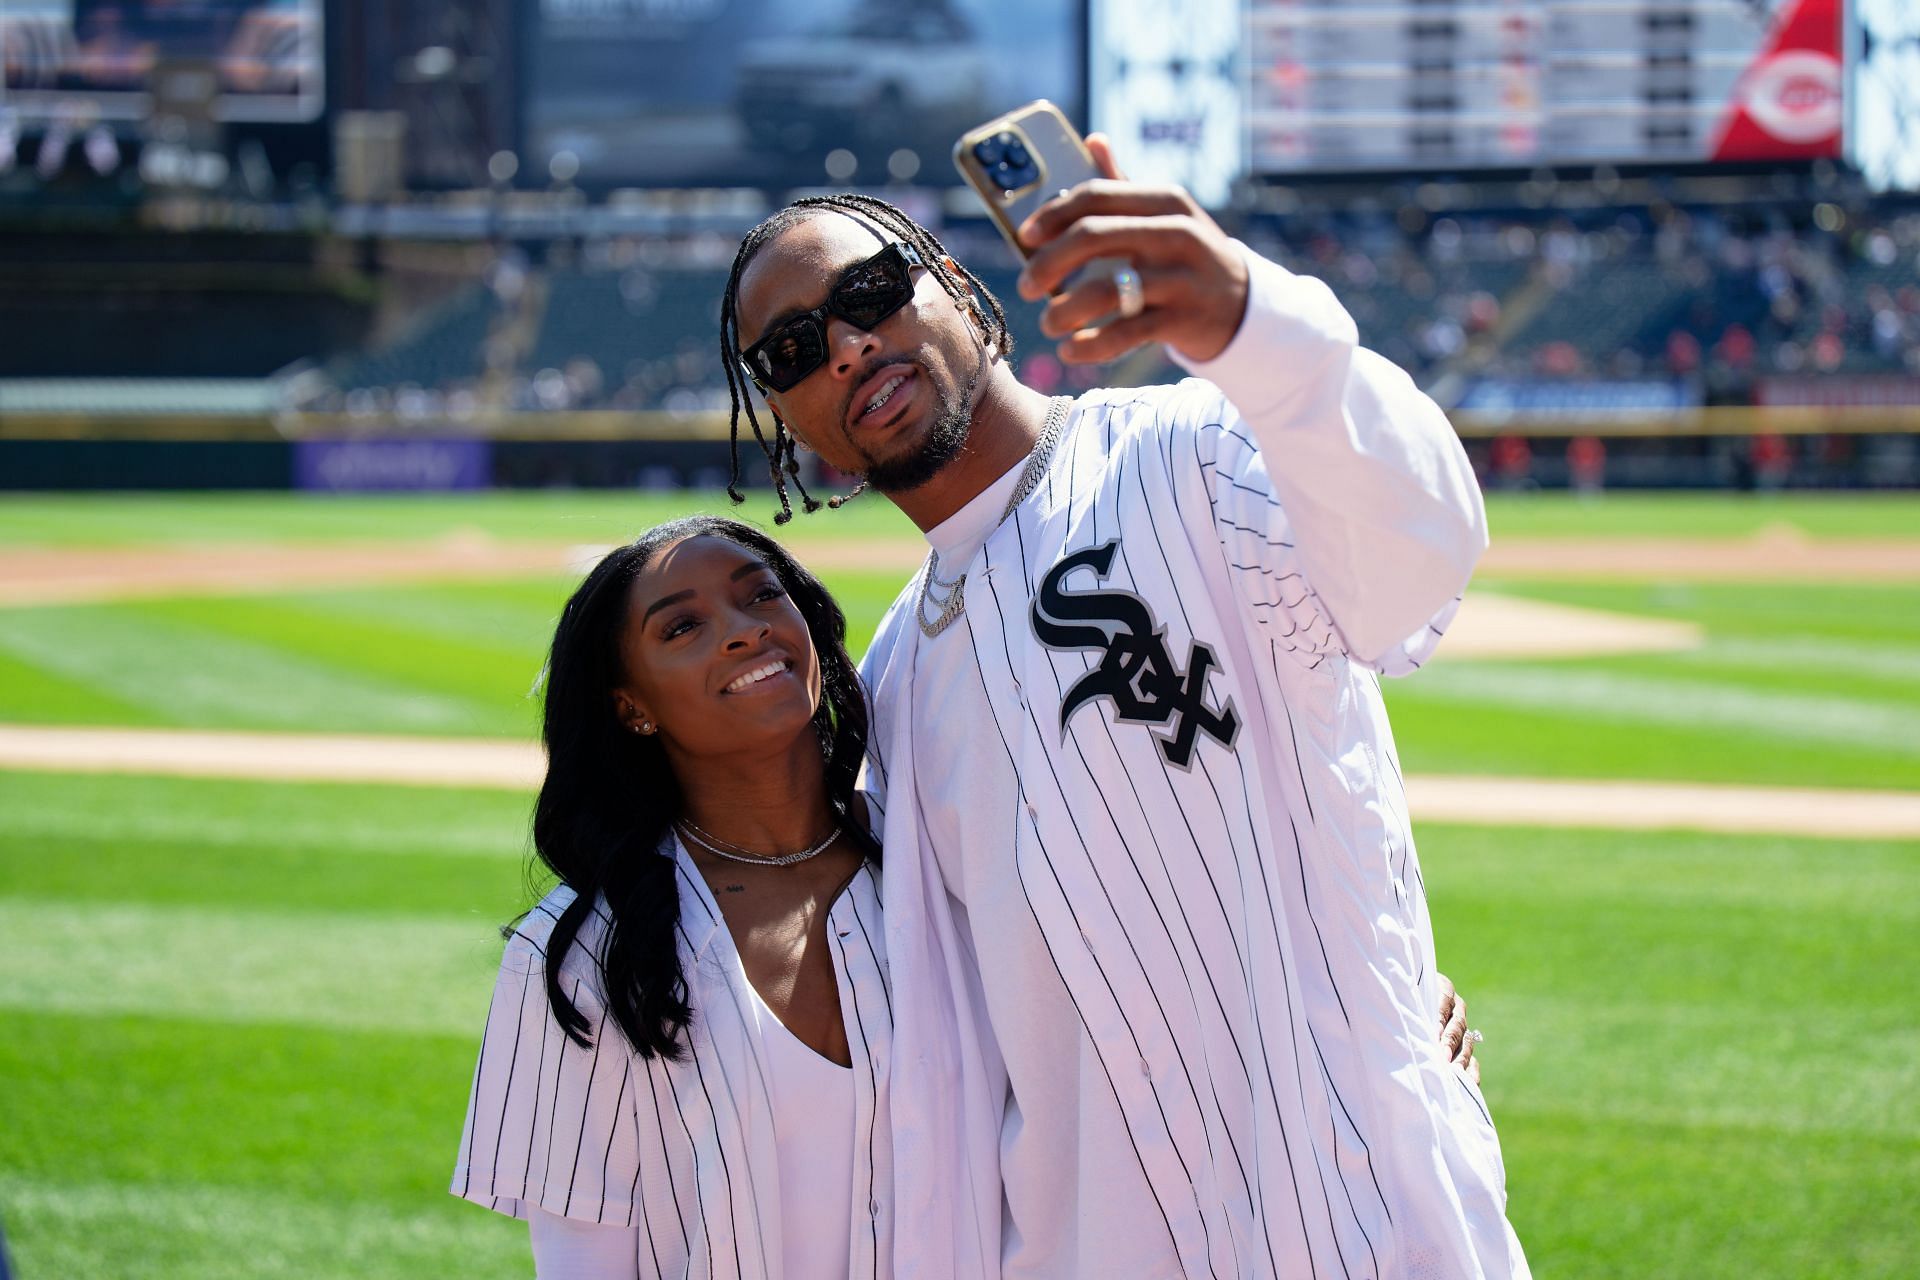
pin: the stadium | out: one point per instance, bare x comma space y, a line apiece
337, 340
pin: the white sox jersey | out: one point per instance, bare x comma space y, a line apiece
683, 1154
1163, 970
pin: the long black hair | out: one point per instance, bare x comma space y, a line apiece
782, 463
610, 794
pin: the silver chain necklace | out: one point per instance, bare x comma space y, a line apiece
734, 853
955, 601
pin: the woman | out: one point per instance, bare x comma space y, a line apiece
684, 1070
697, 1086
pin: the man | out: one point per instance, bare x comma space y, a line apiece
1162, 967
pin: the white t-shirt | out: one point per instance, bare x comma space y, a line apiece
1052, 1069
813, 1115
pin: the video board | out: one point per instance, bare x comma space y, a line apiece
1453, 85
762, 93
96, 59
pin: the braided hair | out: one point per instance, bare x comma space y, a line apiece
783, 463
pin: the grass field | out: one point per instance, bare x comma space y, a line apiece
237, 1020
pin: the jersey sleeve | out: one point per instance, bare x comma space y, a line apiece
1346, 474
551, 1124
1261, 549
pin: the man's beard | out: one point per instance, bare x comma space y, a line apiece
944, 441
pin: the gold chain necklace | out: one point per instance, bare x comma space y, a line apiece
955, 601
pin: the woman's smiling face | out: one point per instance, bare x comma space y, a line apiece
717, 656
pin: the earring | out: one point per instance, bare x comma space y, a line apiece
645, 726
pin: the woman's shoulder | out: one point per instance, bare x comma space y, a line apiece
529, 937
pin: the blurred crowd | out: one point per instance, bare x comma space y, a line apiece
1718, 299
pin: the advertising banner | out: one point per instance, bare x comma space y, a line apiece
1868, 392
350, 466
1492, 397
753, 93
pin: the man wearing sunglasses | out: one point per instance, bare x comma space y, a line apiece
1163, 974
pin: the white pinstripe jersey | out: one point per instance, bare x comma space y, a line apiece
683, 1150
1179, 636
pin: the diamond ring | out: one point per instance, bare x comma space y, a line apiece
1133, 298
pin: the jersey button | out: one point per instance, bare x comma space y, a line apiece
1146, 1070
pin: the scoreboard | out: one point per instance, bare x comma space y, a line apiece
1456, 85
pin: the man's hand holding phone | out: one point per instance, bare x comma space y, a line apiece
1192, 276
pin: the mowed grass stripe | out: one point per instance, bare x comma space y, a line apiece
350, 1117
1444, 735
187, 673
32, 693
1797, 658
42, 810
1662, 701
486, 677
289, 968
513, 616
151, 1231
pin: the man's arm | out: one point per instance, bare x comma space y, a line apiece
1375, 485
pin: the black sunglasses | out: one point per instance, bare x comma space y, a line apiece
864, 295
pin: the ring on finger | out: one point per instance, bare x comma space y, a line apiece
1133, 298
1473, 1036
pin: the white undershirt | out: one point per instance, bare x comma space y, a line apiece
813, 1118
1062, 1116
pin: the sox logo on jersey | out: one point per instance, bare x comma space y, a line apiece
1136, 671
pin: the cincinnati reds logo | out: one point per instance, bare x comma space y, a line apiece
1136, 671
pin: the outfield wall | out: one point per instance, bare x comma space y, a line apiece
1872, 447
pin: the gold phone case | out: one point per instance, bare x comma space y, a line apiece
1055, 146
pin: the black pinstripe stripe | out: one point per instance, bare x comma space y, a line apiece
1276, 915
1201, 766
474, 1127
754, 1196
872, 950
693, 1151
1274, 912
586, 1105
1153, 899
553, 1107
720, 1147
613, 1127
719, 1139
1027, 895
873, 1087
1366, 1150
1139, 1054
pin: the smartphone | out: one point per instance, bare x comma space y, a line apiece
1021, 160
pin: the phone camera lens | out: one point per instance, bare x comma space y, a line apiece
991, 152
1017, 157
